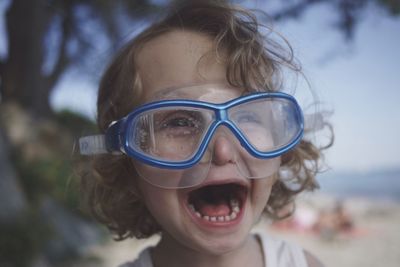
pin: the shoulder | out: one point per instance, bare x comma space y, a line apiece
312, 261
143, 260
281, 253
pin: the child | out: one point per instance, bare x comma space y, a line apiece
196, 137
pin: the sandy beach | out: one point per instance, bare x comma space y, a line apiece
373, 240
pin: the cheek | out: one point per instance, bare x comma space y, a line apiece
152, 196
262, 191
160, 202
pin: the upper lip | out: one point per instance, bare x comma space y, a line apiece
220, 182
240, 182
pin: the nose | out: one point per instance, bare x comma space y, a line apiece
223, 151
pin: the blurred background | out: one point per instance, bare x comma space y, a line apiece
52, 53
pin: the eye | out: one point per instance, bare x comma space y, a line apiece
181, 122
246, 117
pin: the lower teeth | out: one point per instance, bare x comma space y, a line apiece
235, 209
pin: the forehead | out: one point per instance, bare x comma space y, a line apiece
179, 59
216, 93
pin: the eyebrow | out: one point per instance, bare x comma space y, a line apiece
175, 92
169, 92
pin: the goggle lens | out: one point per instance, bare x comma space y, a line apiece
175, 134
170, 134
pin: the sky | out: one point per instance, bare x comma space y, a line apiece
359, 81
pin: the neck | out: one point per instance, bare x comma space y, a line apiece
169, 252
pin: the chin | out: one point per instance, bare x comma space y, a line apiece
220, 246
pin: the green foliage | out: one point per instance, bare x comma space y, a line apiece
53, 175
393, 6
50, 173
22, 240
74, 122
49, 177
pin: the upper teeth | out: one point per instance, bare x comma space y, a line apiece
235, 209
234, 202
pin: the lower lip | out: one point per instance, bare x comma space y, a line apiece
217, 224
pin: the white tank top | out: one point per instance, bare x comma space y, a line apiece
277, 253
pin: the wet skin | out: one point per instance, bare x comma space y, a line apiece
175, 60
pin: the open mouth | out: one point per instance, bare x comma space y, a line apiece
218, 203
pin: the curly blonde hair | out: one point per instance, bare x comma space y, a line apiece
253, 62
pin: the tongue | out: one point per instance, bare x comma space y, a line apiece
219, 208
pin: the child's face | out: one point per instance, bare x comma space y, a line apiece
192, 217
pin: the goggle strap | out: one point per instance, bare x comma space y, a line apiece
102, 144
92, 145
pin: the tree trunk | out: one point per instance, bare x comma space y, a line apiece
13, 202
22, 79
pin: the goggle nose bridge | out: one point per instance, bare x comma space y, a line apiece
223, 120
221, 114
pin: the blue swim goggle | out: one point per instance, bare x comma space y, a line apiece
171, 141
